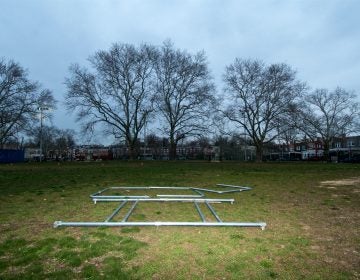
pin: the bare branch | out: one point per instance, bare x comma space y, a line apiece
324, 114
260, 95
118, 94
185, 93
19, 100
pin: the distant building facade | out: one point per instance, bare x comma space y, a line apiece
341, 149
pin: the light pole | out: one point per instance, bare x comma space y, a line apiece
41, 109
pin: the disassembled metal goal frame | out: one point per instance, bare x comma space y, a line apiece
199, 197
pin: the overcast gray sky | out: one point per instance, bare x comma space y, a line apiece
318, 38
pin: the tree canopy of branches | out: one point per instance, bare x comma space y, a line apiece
53, 138
327, 114
259, 96
20, 100
185, 94
117, 93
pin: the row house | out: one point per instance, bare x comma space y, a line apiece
311, 150
341, 149
159, 152
345, 148
91, 153
346, 143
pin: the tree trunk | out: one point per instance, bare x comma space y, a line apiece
259, 152
132, 150
326, 151
172, 150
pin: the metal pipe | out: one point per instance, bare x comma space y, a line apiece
198, 195
262, 225
179, 195
230, 191
200, 198
169, 188
129, 188
120, 196
199, 192
99, 192
205, 190
150, 188
211, 200
212, 210
232, 186
116, 211
110, 188
215, 191
199, 211
219, 192
130, 211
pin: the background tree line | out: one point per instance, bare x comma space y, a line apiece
129, 88
20, 101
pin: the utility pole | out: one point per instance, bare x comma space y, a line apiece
245, 145
145, 144
41, 109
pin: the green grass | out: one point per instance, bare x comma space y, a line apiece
312, 232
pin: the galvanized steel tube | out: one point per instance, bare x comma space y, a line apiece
130, 211
199, 211
232, 186
210, 200
213, 212
262, 225
116, 211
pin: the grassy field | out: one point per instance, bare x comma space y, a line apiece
312, 211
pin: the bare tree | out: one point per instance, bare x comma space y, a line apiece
20, 99
185, 94
52, 138
259, 96
327, 114
155, 143
288, 132
117, 94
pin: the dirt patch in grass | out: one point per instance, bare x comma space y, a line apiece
343, 182
334, 227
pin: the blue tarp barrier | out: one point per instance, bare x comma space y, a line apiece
11, 156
